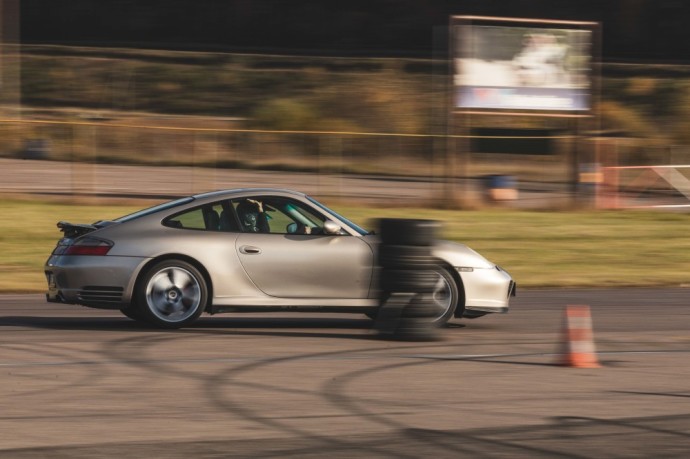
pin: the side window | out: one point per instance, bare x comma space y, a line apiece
277, 215
212, 217
192, 219
306, 220
227, 218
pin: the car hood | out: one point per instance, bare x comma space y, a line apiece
453, 253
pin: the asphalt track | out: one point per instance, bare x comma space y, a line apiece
83, 383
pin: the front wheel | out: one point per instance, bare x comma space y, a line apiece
444, 297
172, 294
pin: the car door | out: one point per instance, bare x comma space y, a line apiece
304, 265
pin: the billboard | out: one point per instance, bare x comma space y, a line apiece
521, 65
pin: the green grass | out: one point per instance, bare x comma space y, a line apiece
539, 249
28, 234
573, 249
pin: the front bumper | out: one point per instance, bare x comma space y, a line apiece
487, 289
100, 282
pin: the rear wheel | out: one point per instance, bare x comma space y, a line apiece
172, 294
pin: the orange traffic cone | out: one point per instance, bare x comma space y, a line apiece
578, 341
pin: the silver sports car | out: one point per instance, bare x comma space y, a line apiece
248, 250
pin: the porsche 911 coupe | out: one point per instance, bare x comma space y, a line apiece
249, 250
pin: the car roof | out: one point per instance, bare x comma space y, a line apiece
241, 191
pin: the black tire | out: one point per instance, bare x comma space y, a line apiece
372, 314
397, 231
415, 330
408, 280
420, 308
171, 294
442, 298
405, 257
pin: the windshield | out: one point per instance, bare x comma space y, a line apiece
151, 210
342, 219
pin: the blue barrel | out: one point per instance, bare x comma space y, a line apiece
500, 187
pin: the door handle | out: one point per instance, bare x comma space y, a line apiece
250, 250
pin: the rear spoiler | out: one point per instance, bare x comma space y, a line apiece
72, 230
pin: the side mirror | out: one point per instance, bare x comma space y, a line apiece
330, 227
291, 228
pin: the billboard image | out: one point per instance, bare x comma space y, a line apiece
522, 67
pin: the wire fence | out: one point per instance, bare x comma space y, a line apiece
99, 157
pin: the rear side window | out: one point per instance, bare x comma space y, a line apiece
211, 217
154, 209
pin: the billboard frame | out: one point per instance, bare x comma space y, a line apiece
508, 22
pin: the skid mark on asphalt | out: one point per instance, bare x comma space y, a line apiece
160, 362
58, 355
566, 437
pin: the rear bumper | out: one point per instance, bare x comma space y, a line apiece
100, 282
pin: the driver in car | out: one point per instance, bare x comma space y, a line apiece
253, 217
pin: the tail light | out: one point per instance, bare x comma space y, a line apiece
88, 246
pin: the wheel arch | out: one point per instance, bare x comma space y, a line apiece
178, 256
